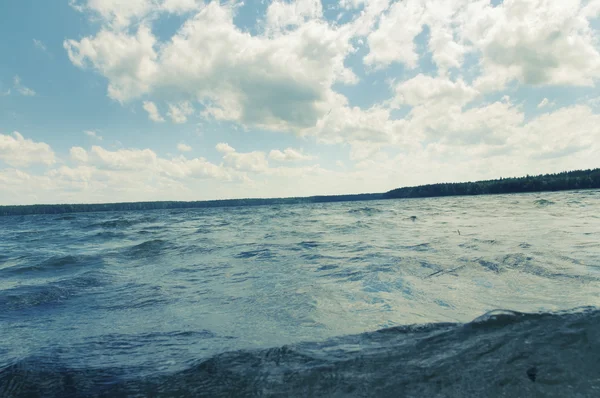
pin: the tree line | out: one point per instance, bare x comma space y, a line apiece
162, 205
569, 180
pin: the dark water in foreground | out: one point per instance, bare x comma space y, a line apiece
347, 299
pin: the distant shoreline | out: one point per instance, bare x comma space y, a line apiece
565, 181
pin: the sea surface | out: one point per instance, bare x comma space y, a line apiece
438, 297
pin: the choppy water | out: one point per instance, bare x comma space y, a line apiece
308, 300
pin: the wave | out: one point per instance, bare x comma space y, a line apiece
53, 265
108, 235
308, 244
134, 295
23, 297
422, 247
66, 218
543, 202
365, 210
258, 253
114, 224
120, 223
149, 248
502, 353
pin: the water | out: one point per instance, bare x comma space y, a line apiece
306, 300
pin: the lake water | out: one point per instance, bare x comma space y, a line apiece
458, 296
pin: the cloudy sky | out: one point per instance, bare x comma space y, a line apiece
126, 100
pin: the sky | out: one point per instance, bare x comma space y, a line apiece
135, 100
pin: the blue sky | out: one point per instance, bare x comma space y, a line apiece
112, 100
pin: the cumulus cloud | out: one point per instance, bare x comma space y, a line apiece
128, 161
288, 155
488, 123
17, 151
123, 159
78, 154
181, 147
394, 39
153, 112
347, 124
93, 134
535, 42
224, 147
276, 82
129, 62
281, 15
119, 14
560, 134
255, 161
351, 4
179, 113
423, 89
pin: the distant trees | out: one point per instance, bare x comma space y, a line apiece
88, 208
578, 179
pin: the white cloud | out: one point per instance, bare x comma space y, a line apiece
546, 103
361, 150
181, 6
345, 124
21, 89
153, 112
39, 44
119, 14
255, 161
78, 154
278, 82
368, 17
535, 42
289, 155
224, 148
490, 124
351, 4
594, 102
282, 15
123, 159
591, 10
423, 89
394, 38
17, 151
129, 62
181, 147
179, 113
565, 133
134, 161
93, 134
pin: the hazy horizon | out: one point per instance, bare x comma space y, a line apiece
350, 195
105, 101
